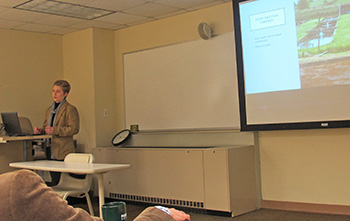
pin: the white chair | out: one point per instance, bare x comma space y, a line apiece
71, 186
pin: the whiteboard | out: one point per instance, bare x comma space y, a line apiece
186, 86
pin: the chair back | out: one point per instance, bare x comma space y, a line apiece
79, 158
69, 182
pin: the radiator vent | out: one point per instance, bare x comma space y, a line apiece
156, 200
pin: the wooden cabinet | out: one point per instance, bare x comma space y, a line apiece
218, 178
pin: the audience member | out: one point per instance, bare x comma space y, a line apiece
25, 196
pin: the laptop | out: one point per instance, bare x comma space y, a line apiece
13, 125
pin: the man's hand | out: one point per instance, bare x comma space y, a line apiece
179, 215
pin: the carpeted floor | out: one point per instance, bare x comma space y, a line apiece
259, 215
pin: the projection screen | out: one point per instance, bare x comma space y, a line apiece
293, 63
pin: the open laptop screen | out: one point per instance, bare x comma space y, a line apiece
12, 125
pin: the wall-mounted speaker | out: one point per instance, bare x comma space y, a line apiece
205, 31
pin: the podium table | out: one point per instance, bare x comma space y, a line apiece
25, 140
13, 149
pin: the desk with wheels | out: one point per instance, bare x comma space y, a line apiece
18, 148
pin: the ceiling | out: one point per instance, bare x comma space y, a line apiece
126, 13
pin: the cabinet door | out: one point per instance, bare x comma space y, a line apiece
104, 155
216, 183
155, 172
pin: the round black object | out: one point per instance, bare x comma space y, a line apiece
121, 137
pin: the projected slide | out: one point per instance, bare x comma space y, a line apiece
313, 36
268, 27
323, 42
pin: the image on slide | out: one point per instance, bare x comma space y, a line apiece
323, 34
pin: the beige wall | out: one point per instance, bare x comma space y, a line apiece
29, 64
105, 92
79, 71
309, 166
88, 61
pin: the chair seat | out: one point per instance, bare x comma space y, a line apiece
68, 192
